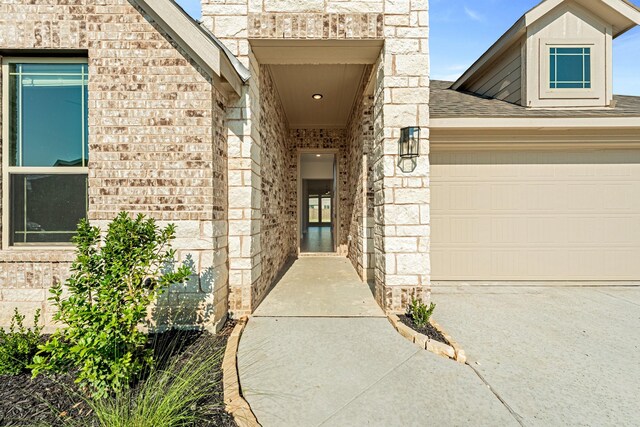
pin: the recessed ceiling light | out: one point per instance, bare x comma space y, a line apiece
318, 155
317, 96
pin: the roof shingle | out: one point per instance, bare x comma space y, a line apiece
448, 103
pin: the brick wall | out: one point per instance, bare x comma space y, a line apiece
278, 208
359, 135
157, 145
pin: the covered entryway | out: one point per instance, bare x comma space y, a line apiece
535, 214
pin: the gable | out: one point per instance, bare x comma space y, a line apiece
567, 19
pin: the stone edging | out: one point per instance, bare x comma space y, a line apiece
233, 401
452, 351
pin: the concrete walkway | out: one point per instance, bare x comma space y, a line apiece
319, 351
555, 355
323, 286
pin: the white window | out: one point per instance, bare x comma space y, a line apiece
45, 150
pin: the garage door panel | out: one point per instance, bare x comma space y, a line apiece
620, 197
621, 261
584, 197
505, 197
548, 264
543, 197
439, 228
585, 230
508, 262
586, 262
508, 229
536, 215
466, 198
468, 230
547, 230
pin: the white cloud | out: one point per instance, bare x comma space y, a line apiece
458, 67
473, 14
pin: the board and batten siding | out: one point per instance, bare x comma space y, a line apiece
503, 80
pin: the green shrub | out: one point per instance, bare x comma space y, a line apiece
112, 284
419, 312
178, 394
19, 345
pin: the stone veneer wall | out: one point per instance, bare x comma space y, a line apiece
234, 21
157, 145
401, 197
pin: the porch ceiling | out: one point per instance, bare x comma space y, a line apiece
338, 84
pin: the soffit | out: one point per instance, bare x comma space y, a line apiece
338, 84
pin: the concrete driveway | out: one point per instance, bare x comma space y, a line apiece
554, 355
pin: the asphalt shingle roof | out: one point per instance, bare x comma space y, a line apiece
448, 103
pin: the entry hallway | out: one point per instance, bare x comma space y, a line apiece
319, 351
317, 239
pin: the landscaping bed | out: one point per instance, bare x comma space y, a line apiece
55, 400
427, 329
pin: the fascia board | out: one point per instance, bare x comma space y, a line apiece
536, 123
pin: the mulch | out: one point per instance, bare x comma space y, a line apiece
54, 400
427, 330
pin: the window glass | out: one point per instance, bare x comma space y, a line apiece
570, 68
326, 209
49, 123
48, 128
314, 209
46, 207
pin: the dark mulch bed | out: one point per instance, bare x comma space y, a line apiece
52, 400
427, 330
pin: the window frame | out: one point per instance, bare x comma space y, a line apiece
555, 54
8, 170
544, 76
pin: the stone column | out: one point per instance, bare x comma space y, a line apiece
401, 199
228, 21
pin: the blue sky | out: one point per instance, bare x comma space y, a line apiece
461, 30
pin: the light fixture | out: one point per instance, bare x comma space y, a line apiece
317, 96
318, 155
409, 148
409, 143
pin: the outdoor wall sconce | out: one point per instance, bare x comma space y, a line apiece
408, 148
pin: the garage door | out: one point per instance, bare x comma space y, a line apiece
536, 215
